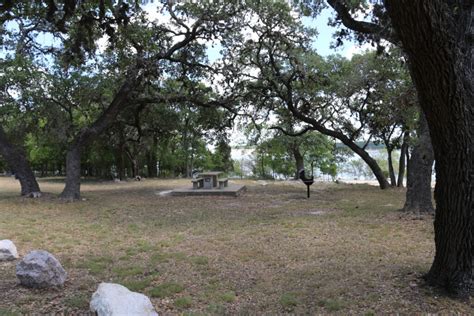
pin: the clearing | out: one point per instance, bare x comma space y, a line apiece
348, 249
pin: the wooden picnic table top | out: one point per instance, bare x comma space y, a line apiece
210, 173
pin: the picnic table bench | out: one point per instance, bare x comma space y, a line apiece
198, 183
223, 182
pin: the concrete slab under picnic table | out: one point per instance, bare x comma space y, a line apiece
231, 190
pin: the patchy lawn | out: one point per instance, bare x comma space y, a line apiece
347, 249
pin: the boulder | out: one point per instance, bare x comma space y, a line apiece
114, 299
7, 250
40, 269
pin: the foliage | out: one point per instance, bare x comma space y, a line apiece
60, 88
275, 156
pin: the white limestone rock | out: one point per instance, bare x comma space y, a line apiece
40, 269
7, 250
112, 299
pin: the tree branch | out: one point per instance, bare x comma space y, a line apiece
302, 132
348, 21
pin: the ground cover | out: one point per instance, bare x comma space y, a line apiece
347, 249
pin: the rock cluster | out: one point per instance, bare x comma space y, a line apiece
40, 269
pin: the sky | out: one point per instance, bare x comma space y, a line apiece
322, 43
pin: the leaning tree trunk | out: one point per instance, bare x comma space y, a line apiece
438, 38
420, 167
16, 160
348, 141
371, 162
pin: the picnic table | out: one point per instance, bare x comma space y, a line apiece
210, 178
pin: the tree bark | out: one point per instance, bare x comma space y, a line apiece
16, 160
391, 171
152, 159
438, 39
133, 158
418, 196
299, 160
402, 162
151, 164
71, 191
136, 167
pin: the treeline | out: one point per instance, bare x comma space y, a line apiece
165, 159
155, 141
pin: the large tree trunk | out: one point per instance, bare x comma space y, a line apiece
136, 167
72, 189
420, 167
152, 160
299, 160
16, 160
438, 38
133, 158
151, 164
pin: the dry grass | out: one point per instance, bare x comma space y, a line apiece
345, 250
